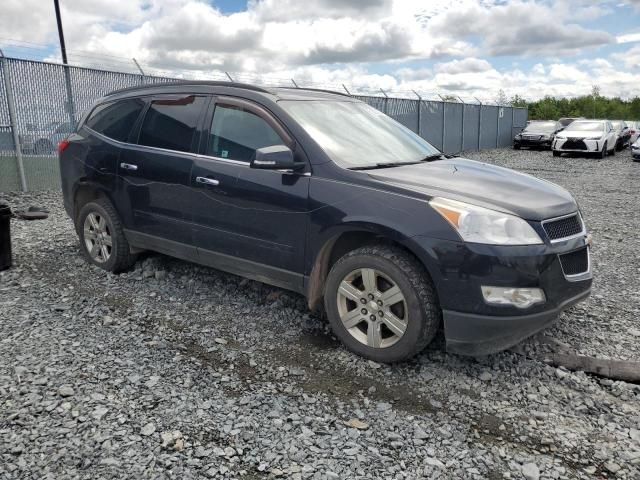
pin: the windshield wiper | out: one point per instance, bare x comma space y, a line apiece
432, 157
383, 165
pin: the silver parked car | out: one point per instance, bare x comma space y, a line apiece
635, 150
586, 136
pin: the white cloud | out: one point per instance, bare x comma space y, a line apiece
451, 47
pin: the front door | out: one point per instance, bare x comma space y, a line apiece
248, 221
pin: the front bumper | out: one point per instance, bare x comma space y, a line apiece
459, 270
577, 145
532, 142
470, 334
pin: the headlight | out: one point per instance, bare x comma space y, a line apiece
544, 137
561, 137
480, 225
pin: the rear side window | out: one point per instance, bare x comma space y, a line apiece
236, 134
171, 123
115, 119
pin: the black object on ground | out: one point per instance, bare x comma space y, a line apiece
5, 236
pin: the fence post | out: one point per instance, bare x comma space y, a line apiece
13, 121
462, 132
498, 125
479, 122
419, 112
142, 78
294, 83
386, 102
444, 120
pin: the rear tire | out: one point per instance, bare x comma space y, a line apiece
102, 239
556, 153
381, 303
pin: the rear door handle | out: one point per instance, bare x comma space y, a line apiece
129, 166
207, 181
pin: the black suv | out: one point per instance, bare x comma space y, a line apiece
318, 193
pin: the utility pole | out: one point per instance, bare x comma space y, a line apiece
67, 75
63, 48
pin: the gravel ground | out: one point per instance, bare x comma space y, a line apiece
179, 371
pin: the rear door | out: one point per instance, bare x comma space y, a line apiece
249, 221
155, 173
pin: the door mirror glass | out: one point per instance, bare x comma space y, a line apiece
276, 157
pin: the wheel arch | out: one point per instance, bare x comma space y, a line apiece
86, 191
348, 238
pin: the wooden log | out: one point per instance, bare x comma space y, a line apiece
627, 371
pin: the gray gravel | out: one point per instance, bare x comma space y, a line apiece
178, 371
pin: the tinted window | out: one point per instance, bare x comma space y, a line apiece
114, 119
237, 134
171, 123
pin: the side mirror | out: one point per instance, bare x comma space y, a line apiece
275, 157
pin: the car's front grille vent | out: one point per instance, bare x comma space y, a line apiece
563, 227
575, 263
574, 144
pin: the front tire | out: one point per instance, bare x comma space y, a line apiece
381, 303
556, 153
603, 153
102, 239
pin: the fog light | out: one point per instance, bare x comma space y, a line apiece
518, 297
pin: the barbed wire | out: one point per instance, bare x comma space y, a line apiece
88, 59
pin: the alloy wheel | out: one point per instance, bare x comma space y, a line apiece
97, 237
372, 308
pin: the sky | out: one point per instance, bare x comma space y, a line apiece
467, 48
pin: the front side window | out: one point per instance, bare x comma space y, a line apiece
354, 134
171, 123
237, 133
540, 127
115, 119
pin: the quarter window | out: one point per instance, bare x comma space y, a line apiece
171, 123
237, 133
114, 119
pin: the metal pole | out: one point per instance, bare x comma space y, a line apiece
294, 83
142, 75
386, 102
479, 121
229, 77
63, 48
346, 90
462, 133
67, 76
498, 124
419, 112
444, 120
13, 121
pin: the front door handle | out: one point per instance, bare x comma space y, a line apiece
129, 166
207, 181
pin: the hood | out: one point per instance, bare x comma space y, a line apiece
567, 132
484, 185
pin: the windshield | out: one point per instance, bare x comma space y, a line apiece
617, 124
585, 126
540, 127
353, 134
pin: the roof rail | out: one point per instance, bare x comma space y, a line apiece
212, 83
316, 90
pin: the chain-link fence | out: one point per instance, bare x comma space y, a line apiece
41, 102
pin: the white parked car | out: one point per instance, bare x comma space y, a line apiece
586, 136
635, 150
